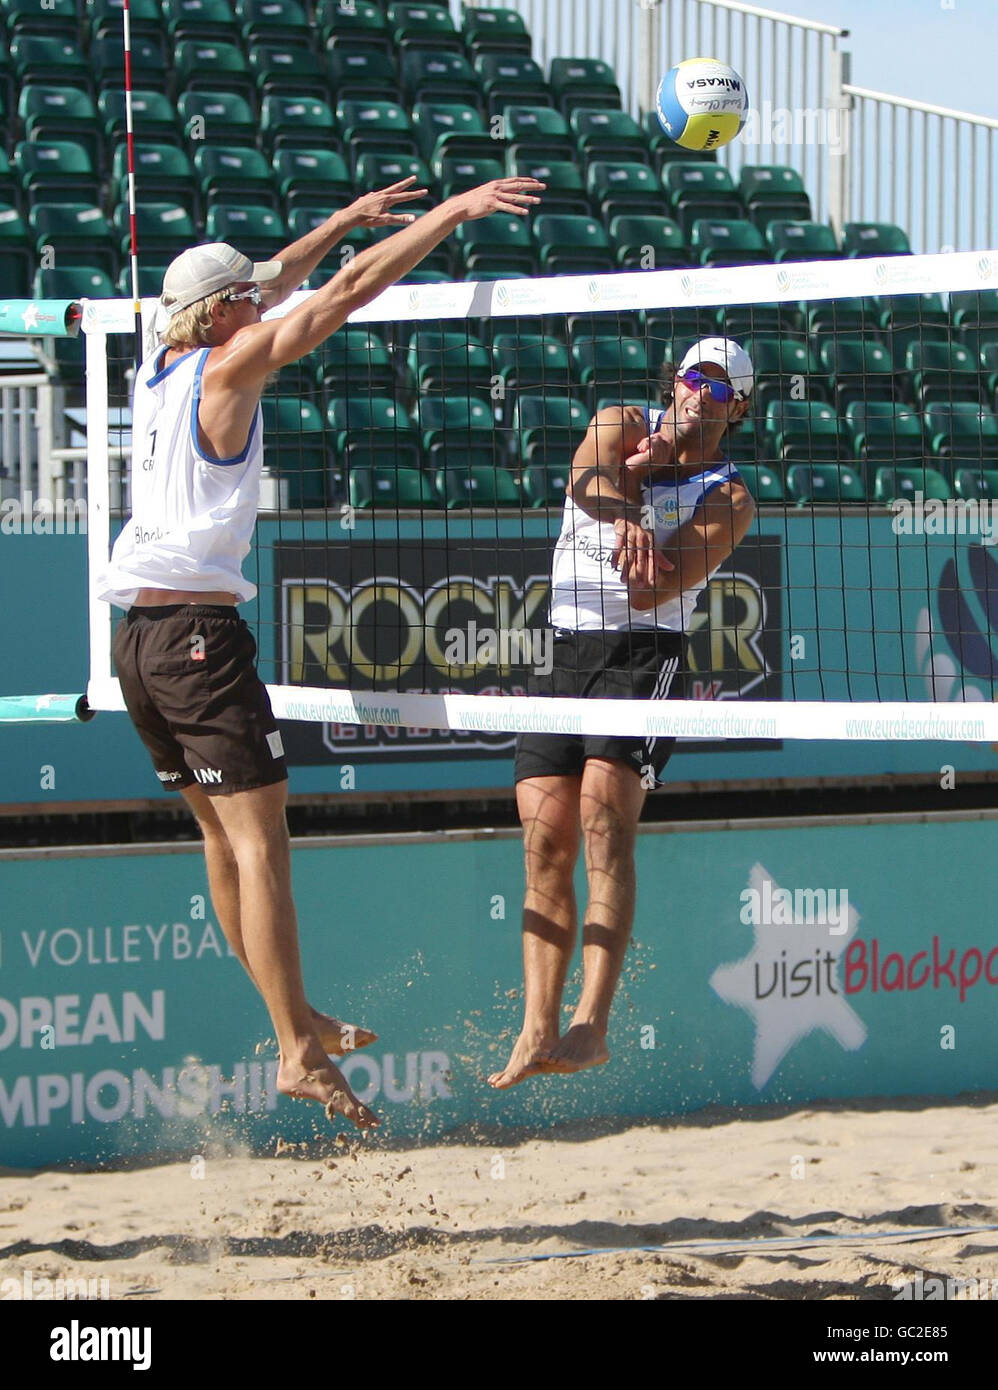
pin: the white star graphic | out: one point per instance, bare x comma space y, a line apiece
787, 1007
30, 316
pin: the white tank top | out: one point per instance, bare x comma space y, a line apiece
588, 593
192, 516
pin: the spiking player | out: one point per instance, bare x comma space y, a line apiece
652, 509
185, 660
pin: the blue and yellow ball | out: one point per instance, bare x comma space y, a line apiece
702, 104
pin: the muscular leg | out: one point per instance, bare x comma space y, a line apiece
610, 804
549, 811
337, 1038
256, 830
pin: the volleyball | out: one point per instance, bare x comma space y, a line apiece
702, 103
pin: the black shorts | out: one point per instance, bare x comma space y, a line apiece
636, 665
188, 676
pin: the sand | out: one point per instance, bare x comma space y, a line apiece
459, 1220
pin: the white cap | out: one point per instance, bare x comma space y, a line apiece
203, 270
726, 353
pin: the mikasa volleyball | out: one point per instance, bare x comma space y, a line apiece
702, 103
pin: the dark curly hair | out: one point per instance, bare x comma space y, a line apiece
666, 385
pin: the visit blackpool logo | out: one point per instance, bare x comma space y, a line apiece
789, 982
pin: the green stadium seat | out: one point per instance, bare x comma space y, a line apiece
537, 132
381, 170
961, 430
858, 369
352, 23
943, 372
665, 330
79, 232
825, 484
608, 135
419, 26
802, 241
294, 440
458, 173
228, 174
511, 79
375, 126
53, 169
544, 423
105, 18
771, 191
382, 485
885, 432
163, 229
150, 70
765, 320
449, 361
974, 316
56, 18
648, 243
988, 357
56, 60
664, 150
80, 282
764, 483
313, 179
208, 66
611, 364
976, 484
545, 484
728, 241
153, 114
459, 420
565, 194
892, 484
284, 69
874, 239
362, 72
273, 21
495, 31
438, 77
16, 258
618, 188
462, 482
210, 20
531, 363
700, 189
904, 319
849, 316
446, 128
802, 432
784, 370
502, 241
258, 232
301, 221
60, 113
584, 82
150, 279
355, 359
571, 245
220, 116
164, 168
297, 123
372, 423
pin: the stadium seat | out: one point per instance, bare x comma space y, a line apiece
105, 18
296, 123
207, 66
379, 170
648, 243
273, 21
584, 82
163, 229
511, 79
495, 31
462, 481
771, 191
355, 359
858, 369
57, 18
943, 372
885, 432
784, 370
849, 316
53, 169
258, 232
375, 126
352, 23
988, 357
974, 316
372, 423
460, 420
537, 132
874, 239
545, 484
735, 241
608, 136
438, 77
565, 192
203, 20
59, 61
296, 448
961, 430
79, 231
619, 188
904, 319
664, 150
452, 362
802, 241
547, 423
222, 116
801, 432
150, 279
500, 241
666, 331
458, 173
826, 484
611, 364
16, 257
766, 320
765, 484
240, 175
164, 168
446, 128
80, 282
149, 65
60, 113
977, 484
314, 179
284, 69
383, 485
423, 26
362, 72
154, 118
531, 363
698, 190
892, 484
571, 245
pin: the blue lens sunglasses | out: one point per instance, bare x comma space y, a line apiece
721, 391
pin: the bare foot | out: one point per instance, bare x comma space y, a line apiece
582, 1046
340, 1038
328, 1086
529, 1056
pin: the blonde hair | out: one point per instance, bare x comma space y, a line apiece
190, 327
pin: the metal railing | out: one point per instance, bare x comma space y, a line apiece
30, 415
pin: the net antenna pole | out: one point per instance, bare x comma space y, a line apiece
133, 245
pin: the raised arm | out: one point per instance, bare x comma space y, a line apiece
700, 546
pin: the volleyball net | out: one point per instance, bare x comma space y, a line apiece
415, 476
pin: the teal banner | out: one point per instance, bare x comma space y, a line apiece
783, 965
41, 318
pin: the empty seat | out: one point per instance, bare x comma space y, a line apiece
824, 484
892, 484
568, 245
617, 188
733, 241
648, 243
802, 241
874, 239
584, 82
509, 79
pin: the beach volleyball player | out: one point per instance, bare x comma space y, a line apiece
185, 659
652, 509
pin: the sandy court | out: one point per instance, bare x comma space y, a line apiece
360, 1220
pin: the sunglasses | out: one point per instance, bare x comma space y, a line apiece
254, 294
721, 391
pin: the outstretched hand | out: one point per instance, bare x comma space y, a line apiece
654, 451
375, 209
501, 195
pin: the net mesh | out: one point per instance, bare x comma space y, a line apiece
415, 475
